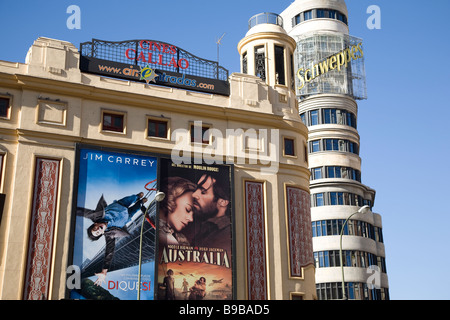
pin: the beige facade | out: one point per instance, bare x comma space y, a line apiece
53, 107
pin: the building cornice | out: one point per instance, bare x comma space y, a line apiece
166, 104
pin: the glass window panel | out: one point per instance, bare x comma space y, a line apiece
332, 14
329, 144
162, 129
308, 15
340, 196
326, 259
289, 147
315, 146
303, 117
319, 199
329, 228
279, 65
4, 106
317, 173
314, 117
339, 117
113, 122
333, 198
342, 145
327, 116
319, 228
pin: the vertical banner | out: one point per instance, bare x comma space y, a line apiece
195, 232
114, 191
43, 216
257, 284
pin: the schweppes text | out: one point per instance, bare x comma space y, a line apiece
338, 61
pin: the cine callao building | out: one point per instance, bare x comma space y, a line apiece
330, 78
136, 170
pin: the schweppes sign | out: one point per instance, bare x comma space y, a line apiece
337, 61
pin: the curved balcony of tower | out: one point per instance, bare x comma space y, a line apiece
312, 15
265, 22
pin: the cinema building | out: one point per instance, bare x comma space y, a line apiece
90, 136
330, 78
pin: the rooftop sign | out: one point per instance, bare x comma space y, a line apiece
330, 63
153, 62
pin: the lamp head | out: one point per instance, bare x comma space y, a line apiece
160, 196
364, 209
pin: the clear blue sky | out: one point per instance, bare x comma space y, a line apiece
404, 124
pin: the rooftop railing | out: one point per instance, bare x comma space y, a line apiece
265, 17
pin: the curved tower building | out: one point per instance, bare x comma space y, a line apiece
266, 54
330, 78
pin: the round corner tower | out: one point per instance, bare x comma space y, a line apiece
267, 60
330, 78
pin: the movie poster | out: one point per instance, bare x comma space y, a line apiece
195, 232
114, 191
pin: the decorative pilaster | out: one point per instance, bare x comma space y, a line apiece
43, 216
299, 230
257, 284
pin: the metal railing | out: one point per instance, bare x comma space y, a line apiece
265, 17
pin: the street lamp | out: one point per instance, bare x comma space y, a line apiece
158, 197
362, 210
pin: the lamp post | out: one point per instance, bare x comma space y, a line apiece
158, 197
362, 210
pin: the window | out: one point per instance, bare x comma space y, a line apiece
331, 145
314, 117
329, 116
320, 13
279, 65
260, 62
4, 107
332, 14
199, 135
341, 145
333, 172
2, 156
303, 117
307, 15
315, 146
244, 62
113, 122
316, 173
351, 120
289, 147
336, 198
157, 128
318, 200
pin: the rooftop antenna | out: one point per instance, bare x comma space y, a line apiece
218, 44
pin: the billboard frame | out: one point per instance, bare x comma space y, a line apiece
158, 156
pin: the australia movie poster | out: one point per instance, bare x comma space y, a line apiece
114, 192
195, 234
